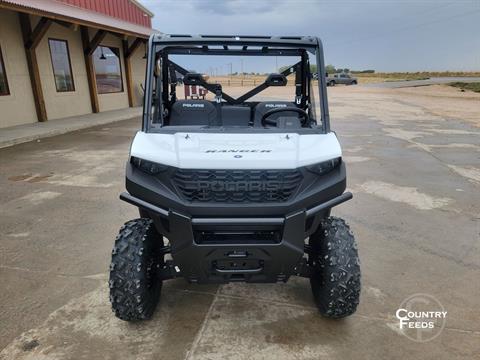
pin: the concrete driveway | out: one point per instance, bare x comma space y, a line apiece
415, 175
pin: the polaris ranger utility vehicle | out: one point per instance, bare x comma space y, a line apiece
236, 187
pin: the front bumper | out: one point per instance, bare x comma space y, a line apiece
218, 242
225, 249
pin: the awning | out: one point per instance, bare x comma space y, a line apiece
60, 11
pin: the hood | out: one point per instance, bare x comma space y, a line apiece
235, 151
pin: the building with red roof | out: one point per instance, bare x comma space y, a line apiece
62, 58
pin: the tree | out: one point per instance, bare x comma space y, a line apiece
330, 69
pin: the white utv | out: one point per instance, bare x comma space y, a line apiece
234, 188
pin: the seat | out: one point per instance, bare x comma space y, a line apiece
192, 112
233, 115
265, 106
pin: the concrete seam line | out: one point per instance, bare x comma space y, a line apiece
280, 303
267, 301
199, 335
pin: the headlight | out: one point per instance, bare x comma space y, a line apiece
325, 166
148, 167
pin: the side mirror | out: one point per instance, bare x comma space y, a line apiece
193, 79
276, 80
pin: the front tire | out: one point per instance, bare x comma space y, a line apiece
134, 286
331, 83
336, 269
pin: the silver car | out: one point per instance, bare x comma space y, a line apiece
341, 78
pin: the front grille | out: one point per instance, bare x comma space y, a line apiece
237, 186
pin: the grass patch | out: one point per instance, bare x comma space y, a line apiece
472, 86
409, 76
407, 79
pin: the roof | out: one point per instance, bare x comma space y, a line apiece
65, 12
289, 41
127, 10
143, 8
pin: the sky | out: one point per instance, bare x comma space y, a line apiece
384, 35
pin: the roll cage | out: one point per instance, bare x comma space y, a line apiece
160, 94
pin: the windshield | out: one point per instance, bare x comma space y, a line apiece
208, 88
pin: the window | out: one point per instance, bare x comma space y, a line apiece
107, 70
62, 70
3, 78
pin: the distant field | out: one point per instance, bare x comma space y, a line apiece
255, 80
406, 76
247, 80
473, 86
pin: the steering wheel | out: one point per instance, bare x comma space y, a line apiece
305, 119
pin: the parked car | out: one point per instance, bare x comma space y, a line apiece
341, 78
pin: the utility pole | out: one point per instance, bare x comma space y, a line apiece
241, 65
276, 64
231, 69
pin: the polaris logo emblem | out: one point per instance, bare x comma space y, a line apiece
237, 151
205, 187
187, 105
275, 105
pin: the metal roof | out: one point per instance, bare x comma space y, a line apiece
65, 12
127, 10
143, 8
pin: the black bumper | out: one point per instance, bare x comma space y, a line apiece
225, 249
215, 242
